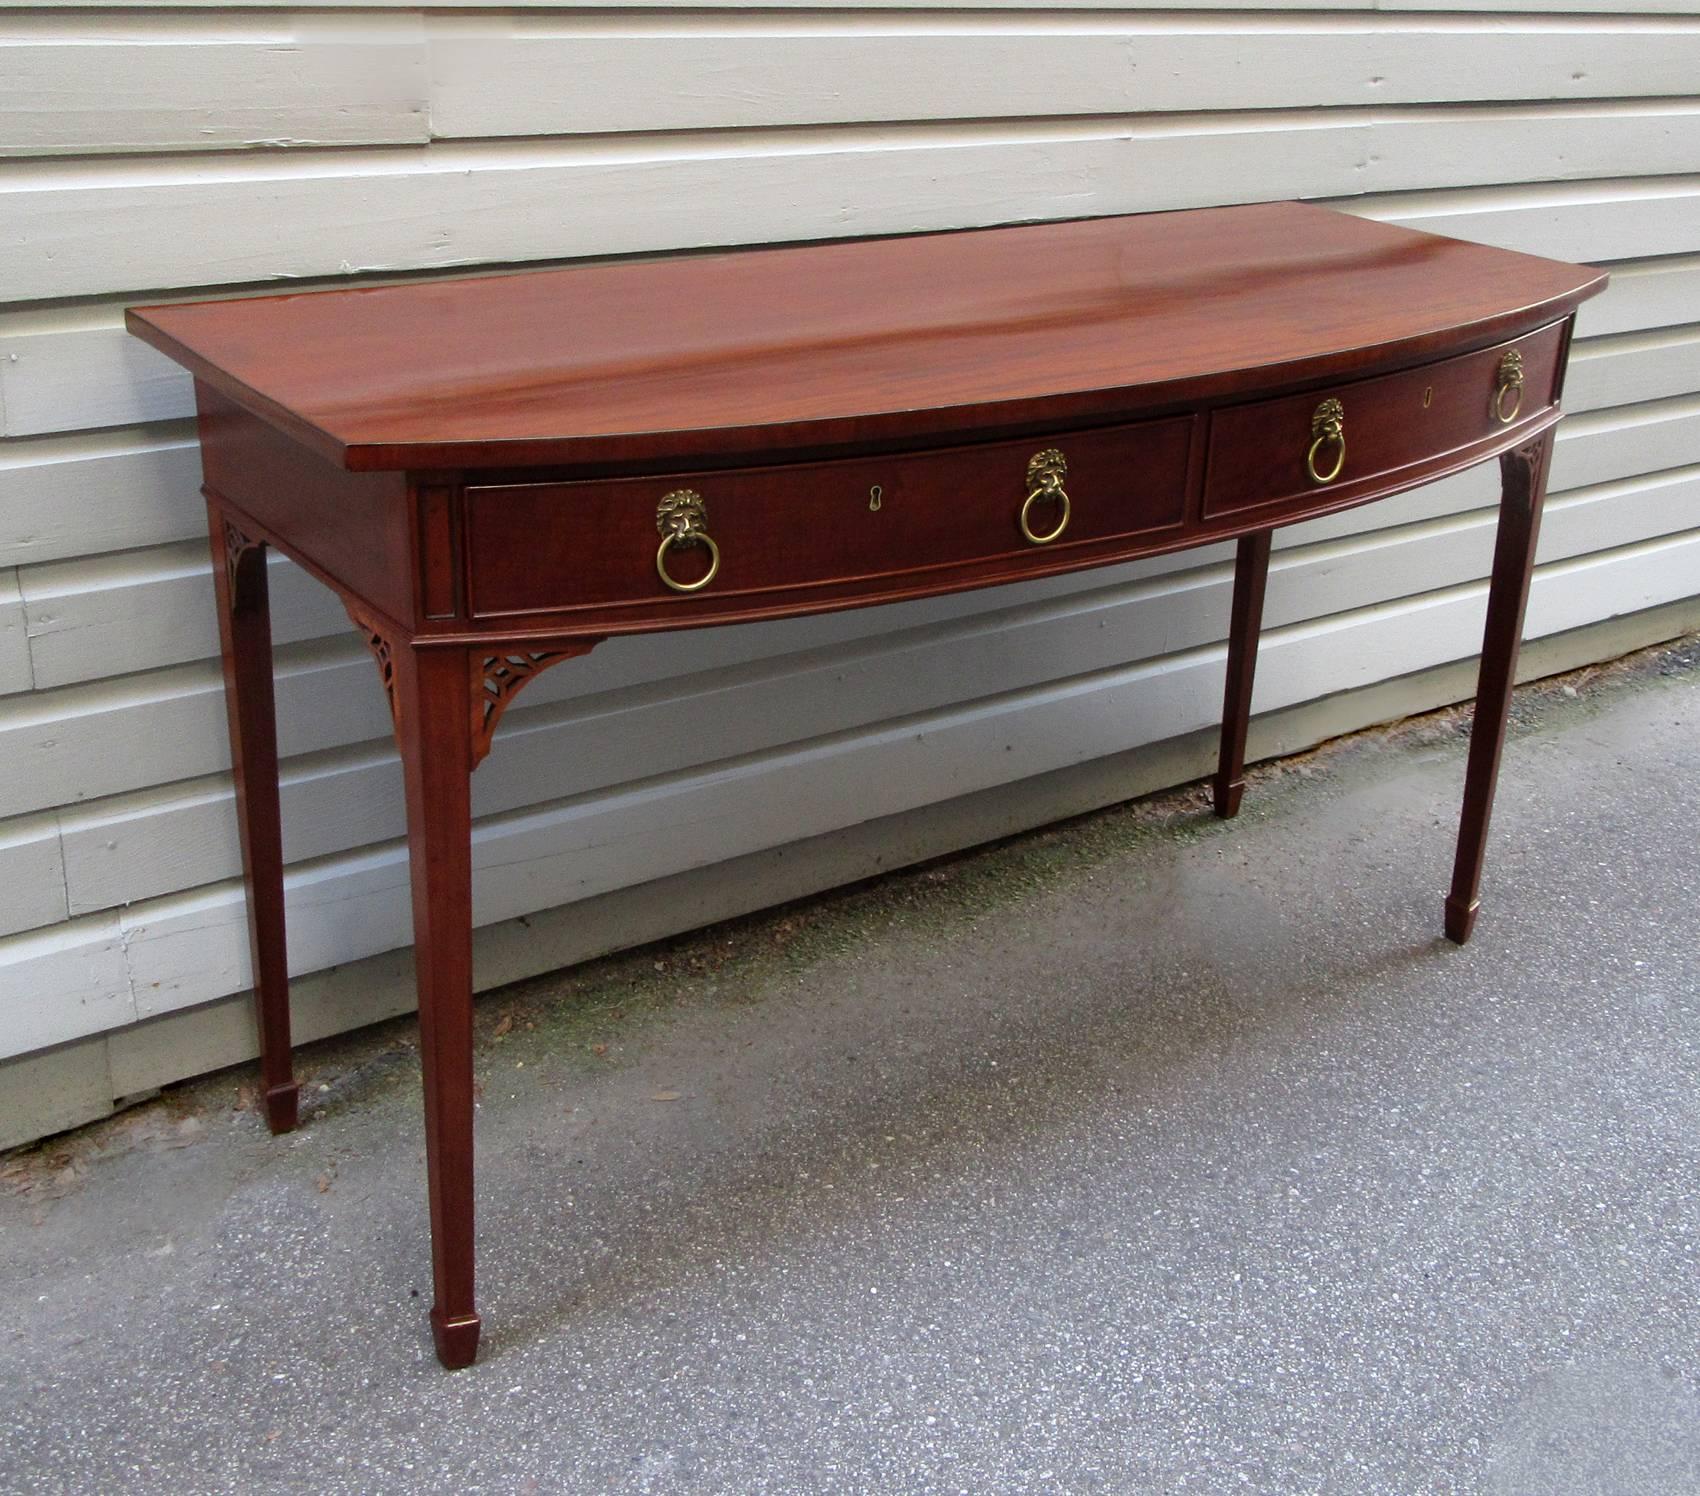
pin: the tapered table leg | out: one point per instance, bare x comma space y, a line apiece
433, 700
1524, 479
1251, 573
245, 633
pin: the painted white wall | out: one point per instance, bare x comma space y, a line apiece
150, 150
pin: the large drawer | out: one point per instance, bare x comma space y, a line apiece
874, 524
1280, 454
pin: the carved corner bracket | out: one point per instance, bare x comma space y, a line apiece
497, 679
383, 652
1523, 470
241, 553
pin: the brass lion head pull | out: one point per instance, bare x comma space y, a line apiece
1327, 428
681, 517
1509, 385
1046, 471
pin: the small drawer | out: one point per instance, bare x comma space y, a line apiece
1355, 437
863, 526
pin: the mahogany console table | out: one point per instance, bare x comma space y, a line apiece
497, 473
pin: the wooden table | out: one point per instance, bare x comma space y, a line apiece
497, 473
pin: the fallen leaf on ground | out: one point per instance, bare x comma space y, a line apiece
188, 1130
664, 1095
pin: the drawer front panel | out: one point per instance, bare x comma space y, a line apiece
1262, 455
868, 524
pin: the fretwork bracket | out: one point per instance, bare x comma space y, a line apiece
383, 652
1522, 467
497, 678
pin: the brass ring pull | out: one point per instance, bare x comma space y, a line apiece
1045, 474
713, 562
679, 517
1328, 426
1339, 457
1062, 522
1510, 383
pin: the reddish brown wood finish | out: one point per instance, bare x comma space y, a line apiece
439, 550
1251, 575
245, 634
350, 529
529, 425
1422, 419
817, 528
1524, 473
493, 680
436, 756
755, 352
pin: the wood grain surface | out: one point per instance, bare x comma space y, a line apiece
850, 343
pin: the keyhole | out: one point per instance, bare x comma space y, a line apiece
874, 495
1428, 397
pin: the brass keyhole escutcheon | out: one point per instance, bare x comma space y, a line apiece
1428, 397
876, 496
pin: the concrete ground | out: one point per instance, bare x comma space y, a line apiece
1143, 1154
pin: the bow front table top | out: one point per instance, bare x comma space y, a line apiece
497, 472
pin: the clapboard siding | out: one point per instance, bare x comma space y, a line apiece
14, 640
762, 74
87, 377
455, 204
65, 982
1633, 366
91, 492
138, 610
452, 205
1644, 294
184, 150
169, 83
1603, 445
1597, 222
32, 871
